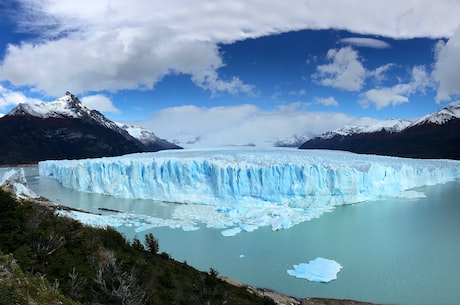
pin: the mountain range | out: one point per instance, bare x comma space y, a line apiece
66, 129
436, 135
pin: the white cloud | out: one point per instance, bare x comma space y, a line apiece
10, 98
241, 125
366, 42
379, 73
112, 45
447, 68
398, 94
384, 97
301, 92
114, 61
99, 102
328, 101
344, 72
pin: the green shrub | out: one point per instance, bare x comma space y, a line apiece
9, 295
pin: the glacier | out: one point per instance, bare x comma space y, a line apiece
15, 181
242, 189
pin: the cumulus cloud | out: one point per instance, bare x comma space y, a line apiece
366, 42
398, 94
344, 71
114, 61
99, 102
447, 67
10, 98
88, 45
241, 125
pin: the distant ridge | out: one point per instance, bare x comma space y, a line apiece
66, 129
436, 135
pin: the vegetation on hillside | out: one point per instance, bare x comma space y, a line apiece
55, 260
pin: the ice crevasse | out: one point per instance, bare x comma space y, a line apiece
239, 179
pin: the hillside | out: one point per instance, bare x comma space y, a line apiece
65, 129
100, 266
436, 135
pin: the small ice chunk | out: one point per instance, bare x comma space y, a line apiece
190, 228
231, 232
412, 195
317, 270
248, 227
279, 222
223, 210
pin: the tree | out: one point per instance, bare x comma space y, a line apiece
152, 243
137, 244
119, 287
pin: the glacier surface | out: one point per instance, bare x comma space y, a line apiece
243, 189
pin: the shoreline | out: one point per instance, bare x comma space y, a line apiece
282, 299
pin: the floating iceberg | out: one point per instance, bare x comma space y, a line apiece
317, 270
231, 232
249, 188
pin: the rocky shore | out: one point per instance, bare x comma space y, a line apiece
282, 299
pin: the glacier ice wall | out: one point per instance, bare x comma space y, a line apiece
247, 181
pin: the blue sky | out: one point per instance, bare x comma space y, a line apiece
234, 72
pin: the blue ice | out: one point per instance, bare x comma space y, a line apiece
317, 270
249, 188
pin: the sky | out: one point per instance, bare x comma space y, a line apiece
239, 72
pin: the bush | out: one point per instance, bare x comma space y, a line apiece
9, 295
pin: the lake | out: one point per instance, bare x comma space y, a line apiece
397, 251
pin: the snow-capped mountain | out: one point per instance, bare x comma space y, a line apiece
147, 137
68, 106
436, 135
390, 125
441, 116
65, 129
292, 141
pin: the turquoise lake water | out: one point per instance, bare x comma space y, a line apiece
393, 251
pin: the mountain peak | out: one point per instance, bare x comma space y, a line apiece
441, 116
67, 106
71, 99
